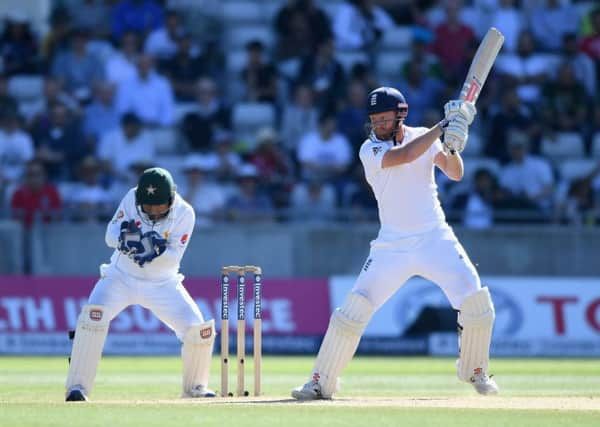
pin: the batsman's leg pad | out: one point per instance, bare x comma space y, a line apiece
196, 354
475, 320
90, 334
341, 340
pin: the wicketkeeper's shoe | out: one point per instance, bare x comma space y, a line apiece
484, 384
201, 391
76, 395
309, 391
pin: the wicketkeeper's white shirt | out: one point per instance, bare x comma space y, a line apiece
177, 228
406, 194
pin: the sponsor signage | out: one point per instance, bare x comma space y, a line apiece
535, 316
37, 312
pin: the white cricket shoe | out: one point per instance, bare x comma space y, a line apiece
484, 384
309, 391
200, 391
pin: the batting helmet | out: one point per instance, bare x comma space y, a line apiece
386, 99
155, 187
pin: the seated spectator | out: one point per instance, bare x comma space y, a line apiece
565, 104
324, 154
130, 142
300, 115
57, 38
424, 92
8, 103
511, 115
526, 176
527, 69
227, 160
428, 62
121, 65
148, 95
509, 20
141, 16
250, 205
201, 191
101, 116
35, 199
78, 68
358, 199
18, 46
589, 44
359, 24
324, 74
274, 165
59, 143
313, 201
210, 114
581, 206
162, 42
479, 202
583, 66
53, 94
551, 21
300, 25
259, 75
452, 38
16, 148
351, 116
88, 200
184, 68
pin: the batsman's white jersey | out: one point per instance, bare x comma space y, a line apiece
158, 284
414, 238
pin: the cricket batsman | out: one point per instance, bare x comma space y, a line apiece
150, 232
414, 239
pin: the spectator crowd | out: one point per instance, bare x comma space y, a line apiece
258, 107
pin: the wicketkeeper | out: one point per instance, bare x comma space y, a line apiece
150, 233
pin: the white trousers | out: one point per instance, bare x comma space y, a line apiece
435, 255
169, 301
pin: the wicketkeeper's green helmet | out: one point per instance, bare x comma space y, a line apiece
155, 187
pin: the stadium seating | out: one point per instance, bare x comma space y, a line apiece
576, 168
248, 117
26, 87
562, 145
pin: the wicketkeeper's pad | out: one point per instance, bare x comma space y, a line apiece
196, 354
92, 328
341, 340
475, 323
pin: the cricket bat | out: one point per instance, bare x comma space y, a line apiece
481, 65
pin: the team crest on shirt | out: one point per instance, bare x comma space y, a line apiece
184, 239
377, 149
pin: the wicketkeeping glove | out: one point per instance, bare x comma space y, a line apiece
130, 238
153, 245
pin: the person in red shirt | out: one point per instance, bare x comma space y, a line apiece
36, 198
452, 40
590, 45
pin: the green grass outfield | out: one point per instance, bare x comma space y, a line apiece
376, 392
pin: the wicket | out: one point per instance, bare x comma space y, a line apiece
241, 327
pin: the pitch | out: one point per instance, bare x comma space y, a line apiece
375, 392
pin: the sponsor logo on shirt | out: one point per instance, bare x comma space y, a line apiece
184, 239
377, 149
96, 315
